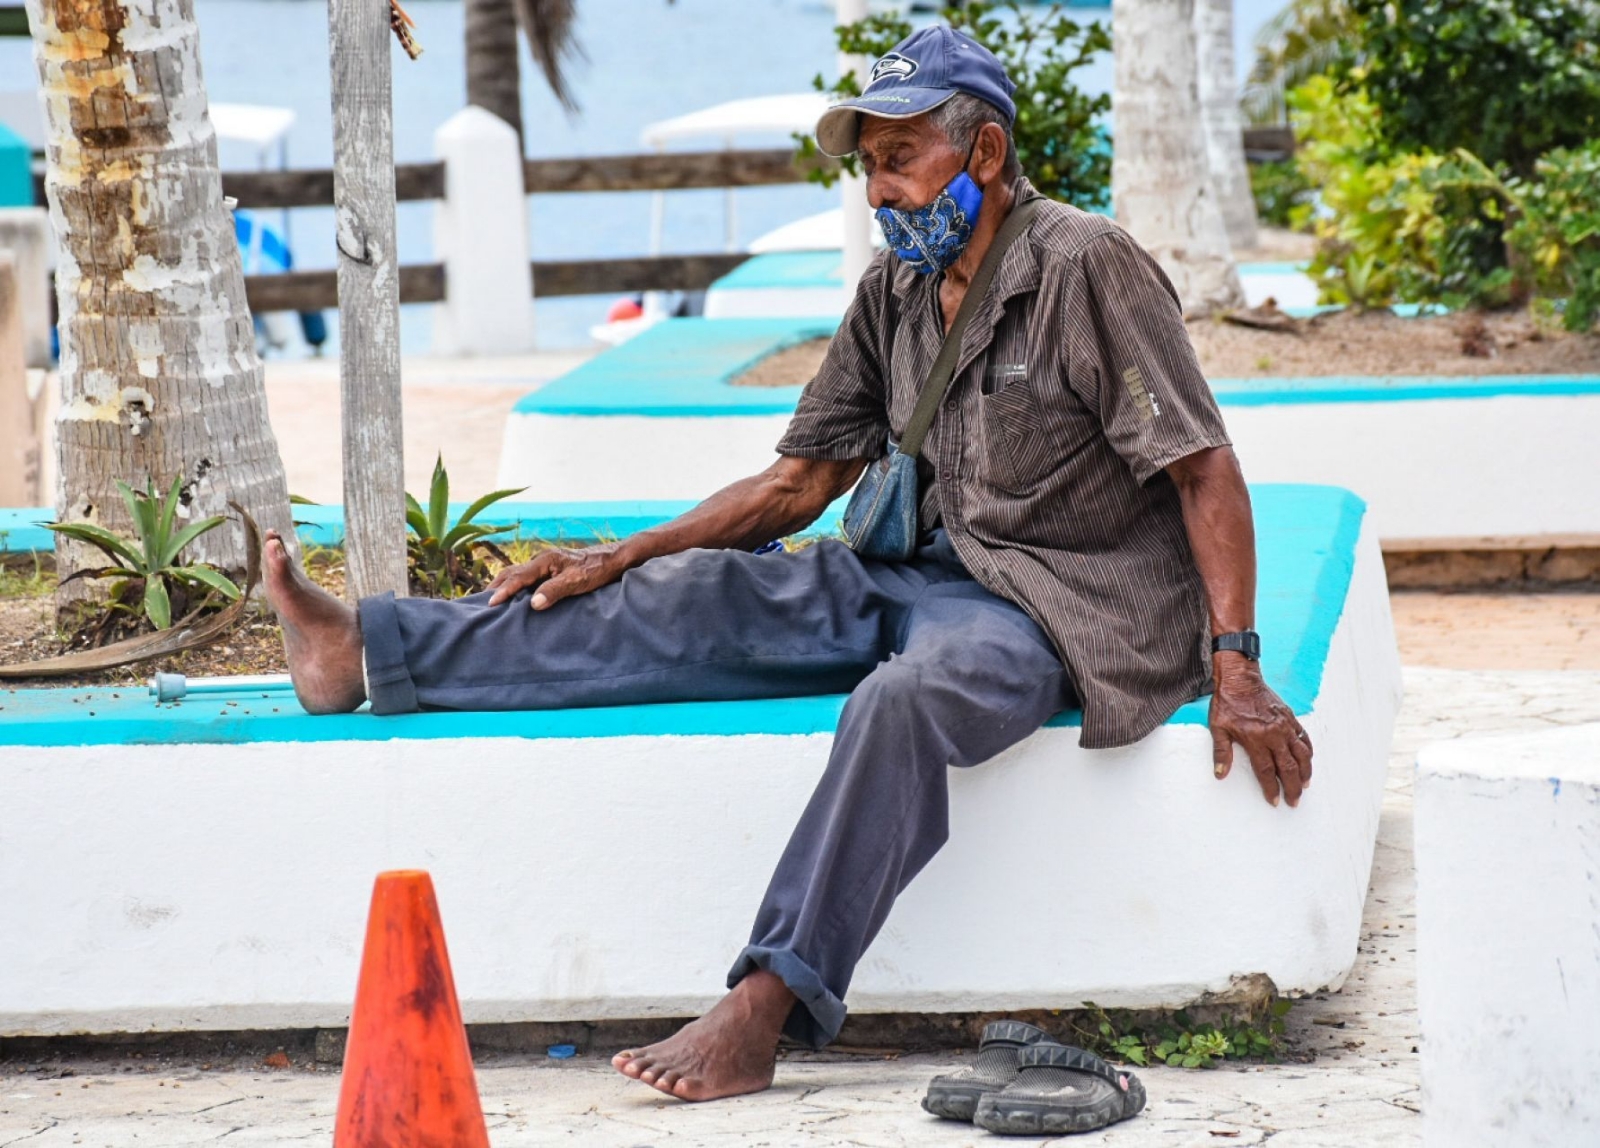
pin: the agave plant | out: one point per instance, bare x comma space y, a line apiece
148, 571
450, 559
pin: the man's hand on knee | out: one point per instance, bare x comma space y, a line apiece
559, 574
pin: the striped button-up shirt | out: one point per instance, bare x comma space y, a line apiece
1076, 385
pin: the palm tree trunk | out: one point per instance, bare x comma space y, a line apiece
159, 373
1160, 177
1219, 106
493, 64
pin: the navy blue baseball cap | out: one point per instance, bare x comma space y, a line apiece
922, 72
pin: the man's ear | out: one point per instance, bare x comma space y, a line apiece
989, 156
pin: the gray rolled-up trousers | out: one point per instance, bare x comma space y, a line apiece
940, 672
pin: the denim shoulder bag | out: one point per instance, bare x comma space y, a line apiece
880, 520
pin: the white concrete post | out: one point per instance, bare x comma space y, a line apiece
25, 232
481, 235
1508, 939
19, 445
852, 188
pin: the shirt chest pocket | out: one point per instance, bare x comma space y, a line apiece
1016, 446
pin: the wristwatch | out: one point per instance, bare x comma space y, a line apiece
1246, 642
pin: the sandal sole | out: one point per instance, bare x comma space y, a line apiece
956, 1103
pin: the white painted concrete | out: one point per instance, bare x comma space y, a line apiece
574, 458
1438, 468
1428, 468
198, 887
481, 236
25, 232
1508, 943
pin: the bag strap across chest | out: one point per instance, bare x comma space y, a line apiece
940, 375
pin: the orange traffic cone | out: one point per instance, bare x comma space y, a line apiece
408, 1079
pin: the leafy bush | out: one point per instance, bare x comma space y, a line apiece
1284, 196
1445, 228
1379, 227
1179, 1041
447, 560
1552, 225
1506, 79
1061, 148
150, 582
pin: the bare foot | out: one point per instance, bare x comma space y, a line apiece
728, 1052
321, 636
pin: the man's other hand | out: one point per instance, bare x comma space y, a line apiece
559, 574
1245, 710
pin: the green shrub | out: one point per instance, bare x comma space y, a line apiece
1061, 147
1506, 79
1284, 196
1379, 225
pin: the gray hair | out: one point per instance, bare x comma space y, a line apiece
961, 117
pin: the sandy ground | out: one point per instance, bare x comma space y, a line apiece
454, 406
1354, 1082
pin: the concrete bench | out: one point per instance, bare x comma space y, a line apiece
1435, 457
1508, 959
206, 866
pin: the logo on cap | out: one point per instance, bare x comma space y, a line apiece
894, 66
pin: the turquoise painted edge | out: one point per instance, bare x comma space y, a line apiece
1365, 389
680, 368
787, 270
1307, 537
323, 525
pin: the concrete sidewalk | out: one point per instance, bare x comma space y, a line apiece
1350, 1080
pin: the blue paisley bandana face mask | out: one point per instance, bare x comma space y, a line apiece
931, 238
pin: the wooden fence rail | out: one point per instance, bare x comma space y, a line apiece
425, 283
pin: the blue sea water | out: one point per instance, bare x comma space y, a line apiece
646, 60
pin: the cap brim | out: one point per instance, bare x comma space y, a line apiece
839, 129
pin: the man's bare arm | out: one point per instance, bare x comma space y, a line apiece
788, 496
1244, 709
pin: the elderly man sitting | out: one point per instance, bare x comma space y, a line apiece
1082, 537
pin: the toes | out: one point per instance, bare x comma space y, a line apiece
634, 1066
667, 1081
622, 1058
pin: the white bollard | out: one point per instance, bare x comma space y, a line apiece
481, 236
25, 232
1508, 939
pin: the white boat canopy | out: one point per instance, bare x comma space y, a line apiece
259, 125
760, 114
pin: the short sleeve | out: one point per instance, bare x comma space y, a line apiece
1131, 359
842, 413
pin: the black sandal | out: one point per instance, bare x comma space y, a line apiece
1059, 1089
955, 1095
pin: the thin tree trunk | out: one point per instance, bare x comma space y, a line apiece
159, 372
369, 300
1219, 105
1160, 179
493, 61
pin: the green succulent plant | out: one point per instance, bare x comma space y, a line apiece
149, 575
449, 559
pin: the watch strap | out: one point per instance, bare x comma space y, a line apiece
1246, 642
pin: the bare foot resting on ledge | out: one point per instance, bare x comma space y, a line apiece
730, 1051
321, 636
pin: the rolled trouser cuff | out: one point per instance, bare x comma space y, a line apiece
389, 685
817, 1015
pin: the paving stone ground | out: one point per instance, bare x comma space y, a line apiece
1359, 1087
